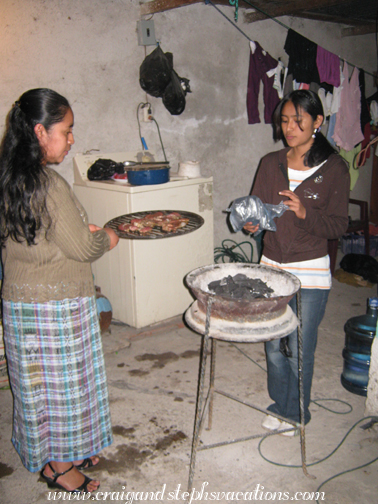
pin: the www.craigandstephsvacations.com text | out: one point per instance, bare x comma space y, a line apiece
259, 493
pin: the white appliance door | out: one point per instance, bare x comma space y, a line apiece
144, 279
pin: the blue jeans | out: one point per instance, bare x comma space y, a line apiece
283, 384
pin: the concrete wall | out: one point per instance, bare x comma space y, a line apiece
88, 51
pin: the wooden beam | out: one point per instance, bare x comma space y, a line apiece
273, 9
154, 6
294, 8
358, 30
335, 19
163, 5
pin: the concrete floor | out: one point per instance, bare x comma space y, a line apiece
153, 373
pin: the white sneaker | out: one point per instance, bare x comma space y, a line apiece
271, 423
286, 425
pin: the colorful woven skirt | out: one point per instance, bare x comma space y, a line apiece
58, 380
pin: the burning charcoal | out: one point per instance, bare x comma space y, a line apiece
240, 287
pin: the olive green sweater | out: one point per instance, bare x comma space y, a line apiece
58, 265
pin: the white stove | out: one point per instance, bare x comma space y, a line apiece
144, 279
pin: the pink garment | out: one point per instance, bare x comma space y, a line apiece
348, 132
328, 67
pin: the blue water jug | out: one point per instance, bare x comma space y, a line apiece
359, 335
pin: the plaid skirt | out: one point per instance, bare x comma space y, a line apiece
58, 380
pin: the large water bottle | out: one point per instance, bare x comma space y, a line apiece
371, 404
359, 335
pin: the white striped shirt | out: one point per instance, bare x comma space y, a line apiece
314, 273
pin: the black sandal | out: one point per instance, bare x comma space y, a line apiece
52, 483
86, 464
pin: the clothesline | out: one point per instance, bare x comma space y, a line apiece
276, 21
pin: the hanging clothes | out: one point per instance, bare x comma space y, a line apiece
334, 109
365, 146
348, 132
301, 85
279, 73
260, 62
350, 157
336, 93
331, 130
328, 66
374, 112
326, 99
302, 58
365, 115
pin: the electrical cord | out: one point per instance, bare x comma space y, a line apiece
373, 419
161, 141
325, 458
316, 401
228, 252
142, 105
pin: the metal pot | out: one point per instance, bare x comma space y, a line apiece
285, 286
147, 173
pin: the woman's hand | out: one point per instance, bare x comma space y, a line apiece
250, 228
93, 228
294, 203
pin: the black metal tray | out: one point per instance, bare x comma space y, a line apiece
195, 222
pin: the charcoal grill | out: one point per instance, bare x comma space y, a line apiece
284, 285
195, 222
217, 318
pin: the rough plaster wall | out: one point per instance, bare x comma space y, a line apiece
372, 391
88, 51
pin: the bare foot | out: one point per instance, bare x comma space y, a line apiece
72, 479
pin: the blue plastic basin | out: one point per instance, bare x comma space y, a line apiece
149, 176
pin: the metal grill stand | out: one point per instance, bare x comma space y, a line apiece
202, 409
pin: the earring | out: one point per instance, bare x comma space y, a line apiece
315, 131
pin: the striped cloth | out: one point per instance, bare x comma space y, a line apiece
313, 274
58, 379
296, 177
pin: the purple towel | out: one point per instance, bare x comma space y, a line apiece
328, 67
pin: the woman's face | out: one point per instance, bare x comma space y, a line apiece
56, 142
298, 127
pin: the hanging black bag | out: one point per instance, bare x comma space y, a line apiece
174, 94
155, 73
104, 169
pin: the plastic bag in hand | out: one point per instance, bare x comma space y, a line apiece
252, 209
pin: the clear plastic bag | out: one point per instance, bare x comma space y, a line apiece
252, 209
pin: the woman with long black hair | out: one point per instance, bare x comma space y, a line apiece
52, 338
313, 181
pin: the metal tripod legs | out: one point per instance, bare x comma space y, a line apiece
204, 406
